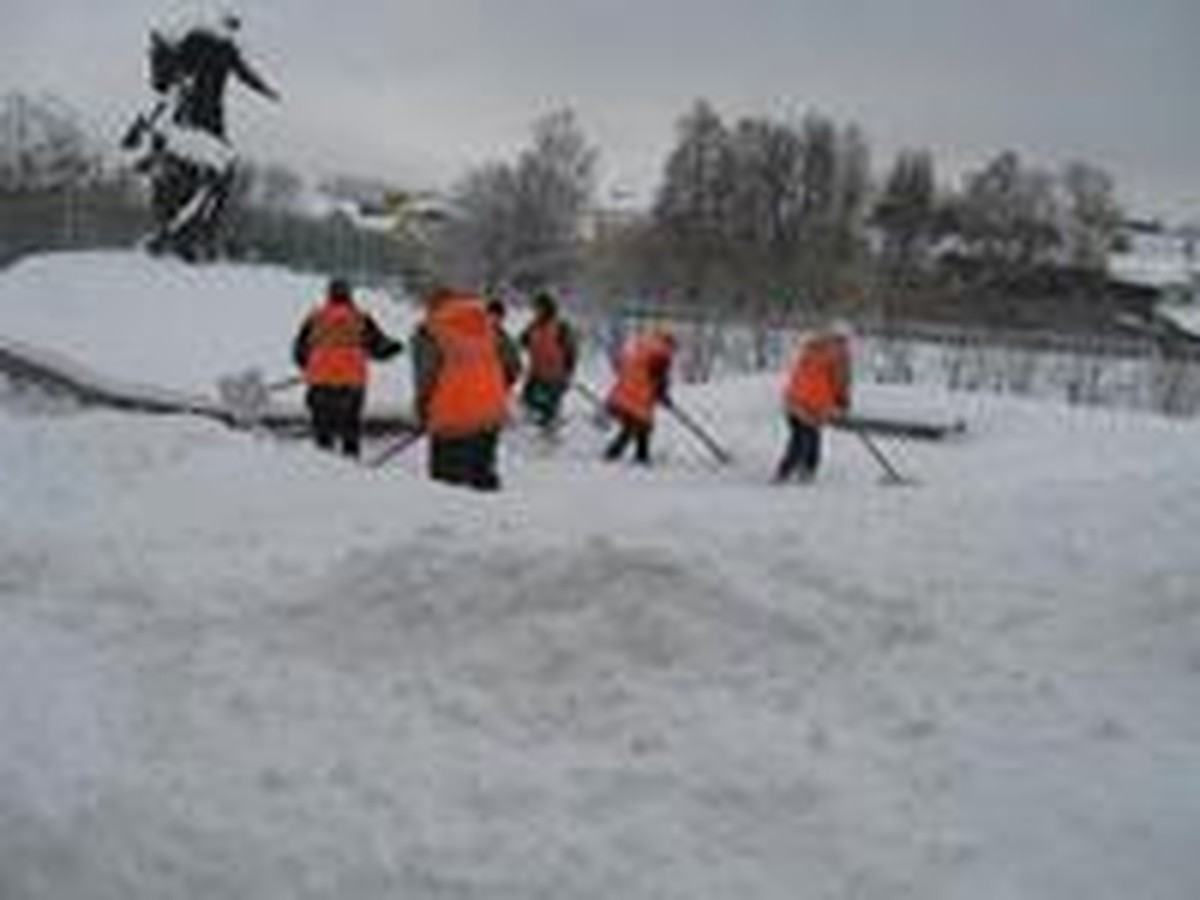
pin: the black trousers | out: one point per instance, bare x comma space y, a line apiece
803, 452
632, 431
336, 413
468, 460
543, 399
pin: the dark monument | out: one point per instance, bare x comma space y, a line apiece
182, 145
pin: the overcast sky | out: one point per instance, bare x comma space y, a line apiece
418, 90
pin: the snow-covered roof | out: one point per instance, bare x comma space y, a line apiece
1159, 259
1186, 317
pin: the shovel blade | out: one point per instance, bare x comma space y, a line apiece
245, 395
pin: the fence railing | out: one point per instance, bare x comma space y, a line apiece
1136, 371
1145, 371
114, 216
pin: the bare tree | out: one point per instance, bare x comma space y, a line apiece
265, 187
42, 145
764, 219
555, 187
519, 225
478, 244
691, 208
1091, 215
906, 217
280, 188
852, 193
835, 180
1008, 216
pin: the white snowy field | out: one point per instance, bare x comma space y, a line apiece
235, 667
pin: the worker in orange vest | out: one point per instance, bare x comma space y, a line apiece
461, 375
552, 347
817, 390
332, 348
643, 382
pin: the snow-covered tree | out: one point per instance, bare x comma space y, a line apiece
765, 221
1008, 216
692, 206
905, 215
556, 179
519, 225
478, 244
1091, 215
42, 144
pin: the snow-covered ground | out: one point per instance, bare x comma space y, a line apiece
165, 324
235, 667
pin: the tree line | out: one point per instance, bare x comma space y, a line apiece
755, 216
776, 218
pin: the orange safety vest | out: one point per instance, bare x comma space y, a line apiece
547, 357
819, 385
470, 393
336, 356
635, 393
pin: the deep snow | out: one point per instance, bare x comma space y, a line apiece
234, 667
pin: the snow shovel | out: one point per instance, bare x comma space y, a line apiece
890, 475
394, 449
720, 454
600, 415
247, 395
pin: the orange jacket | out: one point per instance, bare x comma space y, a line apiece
467, 390
336, 351
549, 355
642, 377
819, 385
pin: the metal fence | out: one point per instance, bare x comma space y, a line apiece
115, 215
1137, 371
1142, 372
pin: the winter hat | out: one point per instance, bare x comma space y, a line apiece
339, 289
545, 304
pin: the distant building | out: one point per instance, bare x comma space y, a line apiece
601, 222
374, 206
1167, 260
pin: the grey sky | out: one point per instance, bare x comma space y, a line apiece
417, 90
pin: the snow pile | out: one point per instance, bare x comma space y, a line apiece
164, 323
231, 666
